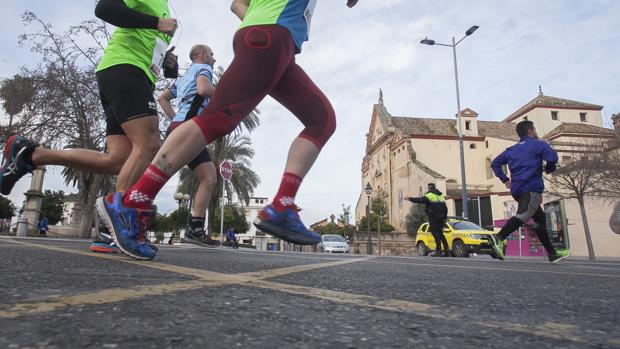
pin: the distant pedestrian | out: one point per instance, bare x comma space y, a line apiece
43, 226
230, 236
525, 161
437, 212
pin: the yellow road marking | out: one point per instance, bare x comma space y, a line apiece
556, 331
350, 298
498, 269
112, 295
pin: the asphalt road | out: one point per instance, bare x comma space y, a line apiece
57, 294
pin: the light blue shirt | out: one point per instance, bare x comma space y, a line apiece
185, 89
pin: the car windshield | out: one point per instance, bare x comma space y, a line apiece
333, 238
465, 226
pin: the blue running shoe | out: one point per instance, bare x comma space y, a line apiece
285, 225
17, 162
127, 225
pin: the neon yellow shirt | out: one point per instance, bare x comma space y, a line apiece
143, 48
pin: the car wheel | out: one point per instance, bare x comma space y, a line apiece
459, 249
422, 250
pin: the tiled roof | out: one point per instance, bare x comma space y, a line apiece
447, 127
577, 128
543, 101
426, 126
496, 129
71, 198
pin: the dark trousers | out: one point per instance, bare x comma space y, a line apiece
436, 228
528, 204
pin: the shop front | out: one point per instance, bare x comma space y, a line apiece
525, 243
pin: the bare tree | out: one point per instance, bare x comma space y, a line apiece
59, 105
580, 176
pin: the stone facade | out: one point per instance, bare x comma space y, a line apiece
403, 154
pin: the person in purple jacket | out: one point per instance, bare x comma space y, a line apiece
525, 161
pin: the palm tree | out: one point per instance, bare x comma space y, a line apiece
235, 148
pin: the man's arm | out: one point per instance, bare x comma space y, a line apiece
204, 87
420, 200
164, 101
496, 165
240, 8
550, 157
118, 14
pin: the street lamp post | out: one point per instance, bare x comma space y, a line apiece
428, 41
368, 191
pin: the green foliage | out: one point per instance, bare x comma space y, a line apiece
345, 216
52, 205
385, 226
7, 209
415, 218
378, 212
234, 217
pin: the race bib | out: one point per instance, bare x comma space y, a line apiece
159, 52
308, 12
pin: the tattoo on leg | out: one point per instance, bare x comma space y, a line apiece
162, 164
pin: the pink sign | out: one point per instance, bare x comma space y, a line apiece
226, 170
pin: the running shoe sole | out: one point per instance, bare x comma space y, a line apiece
283, 234
105, 218
188, 240
103, 248
561, 258
9, 148
499, 254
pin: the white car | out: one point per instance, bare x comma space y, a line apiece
333, 244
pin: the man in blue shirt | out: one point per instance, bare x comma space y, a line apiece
525, 161
43, 226
193, 91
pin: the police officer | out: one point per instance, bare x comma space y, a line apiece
437, 212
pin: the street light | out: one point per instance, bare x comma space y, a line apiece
181, 198
430, 42
368, 191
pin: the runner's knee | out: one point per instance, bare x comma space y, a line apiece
320, 123
148, 147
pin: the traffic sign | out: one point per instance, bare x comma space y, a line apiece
226, 170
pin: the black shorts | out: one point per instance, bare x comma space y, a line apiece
201, 158
126, 93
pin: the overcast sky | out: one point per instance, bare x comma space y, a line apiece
569, 47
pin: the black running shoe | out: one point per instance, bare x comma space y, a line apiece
197, 236
16, 164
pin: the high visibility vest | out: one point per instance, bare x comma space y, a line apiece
432, 197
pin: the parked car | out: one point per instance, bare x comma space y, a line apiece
464, 237
333, 244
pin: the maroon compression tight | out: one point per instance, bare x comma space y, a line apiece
264, 64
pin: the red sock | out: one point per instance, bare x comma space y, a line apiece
285, 198
142, 194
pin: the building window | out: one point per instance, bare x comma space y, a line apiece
554, 115
583, 117
566, 158
472, 146
525, 118
467, 125
490, 173
486, 143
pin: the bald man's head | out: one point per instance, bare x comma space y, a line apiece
202, 54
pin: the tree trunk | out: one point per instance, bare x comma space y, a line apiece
93, 184
379, 232
614, 220
213, 206
586, 228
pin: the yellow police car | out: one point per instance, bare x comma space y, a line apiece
464, 237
